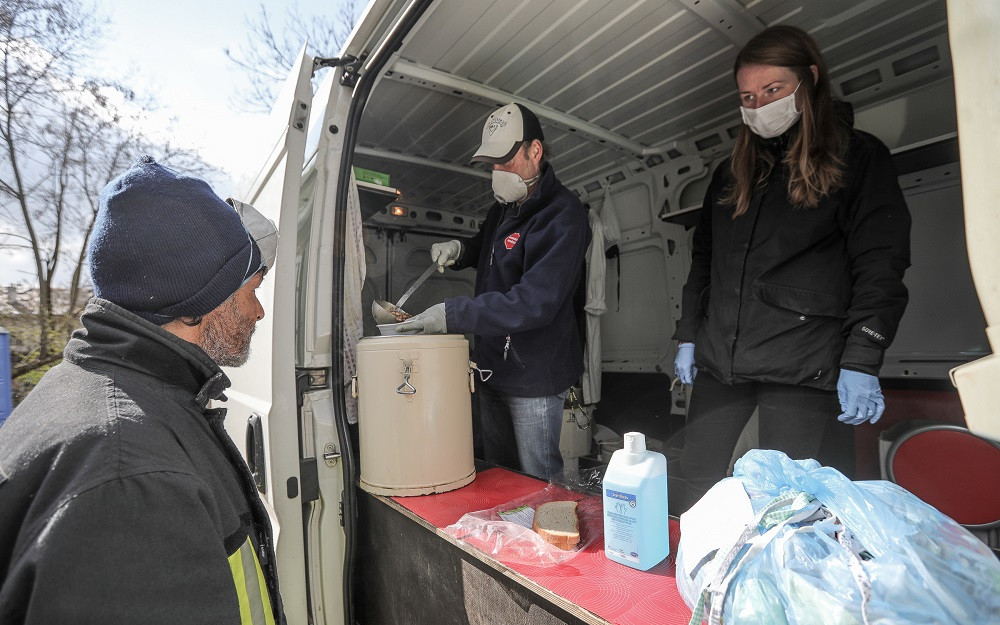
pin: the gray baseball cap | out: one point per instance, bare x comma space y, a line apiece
262, 229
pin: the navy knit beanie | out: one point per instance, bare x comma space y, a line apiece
165, 246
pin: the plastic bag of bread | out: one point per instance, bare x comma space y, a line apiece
546, 528
557, 523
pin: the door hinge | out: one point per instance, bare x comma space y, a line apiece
300, 115
350, 63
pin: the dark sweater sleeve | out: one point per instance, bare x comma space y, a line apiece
878, 250
695, 295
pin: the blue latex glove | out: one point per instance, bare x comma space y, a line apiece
684, 363
860, 397
431, 321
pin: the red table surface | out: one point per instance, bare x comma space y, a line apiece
614, 592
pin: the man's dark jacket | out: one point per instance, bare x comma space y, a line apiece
792, 295
529, 272
122, 498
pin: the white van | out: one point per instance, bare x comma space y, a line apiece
638, 103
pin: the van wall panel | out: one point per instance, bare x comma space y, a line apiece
632, 208
604, 46
636, 329
537, 53
661, 90
504, 33
425, 48
629, 66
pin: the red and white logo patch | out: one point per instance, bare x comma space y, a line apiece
511, 240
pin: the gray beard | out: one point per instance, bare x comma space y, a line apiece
226, 338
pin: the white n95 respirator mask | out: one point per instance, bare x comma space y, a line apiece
773, 119
509, 187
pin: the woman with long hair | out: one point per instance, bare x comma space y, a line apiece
796, 282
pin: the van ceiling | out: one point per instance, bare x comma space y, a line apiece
614, 82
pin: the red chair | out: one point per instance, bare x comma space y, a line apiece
953, 470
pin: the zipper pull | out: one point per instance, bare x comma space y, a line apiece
492, 248
506, 347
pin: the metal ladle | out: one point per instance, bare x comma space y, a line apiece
383, 311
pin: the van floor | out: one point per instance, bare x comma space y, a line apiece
641, 402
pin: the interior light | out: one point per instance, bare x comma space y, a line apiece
398, 211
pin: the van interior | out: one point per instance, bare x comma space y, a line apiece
638, 104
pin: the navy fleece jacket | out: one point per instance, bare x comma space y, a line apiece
530, 262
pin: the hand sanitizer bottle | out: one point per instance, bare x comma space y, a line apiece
636, 526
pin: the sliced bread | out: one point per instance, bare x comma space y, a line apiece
557, 523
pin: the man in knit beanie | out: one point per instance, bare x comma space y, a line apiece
122, 497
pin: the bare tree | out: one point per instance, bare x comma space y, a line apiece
41, 44
270, 52
63, 137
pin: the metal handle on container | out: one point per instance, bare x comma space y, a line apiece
406, 388
484, 374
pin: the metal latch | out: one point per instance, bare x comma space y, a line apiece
406, 388
331, 455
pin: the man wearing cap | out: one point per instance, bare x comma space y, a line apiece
529, 258
122, 498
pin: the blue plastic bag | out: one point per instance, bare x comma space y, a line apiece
822, 549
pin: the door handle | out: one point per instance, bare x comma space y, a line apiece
255, 451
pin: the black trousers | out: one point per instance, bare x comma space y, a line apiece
798, 420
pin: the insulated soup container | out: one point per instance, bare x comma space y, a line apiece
415, 414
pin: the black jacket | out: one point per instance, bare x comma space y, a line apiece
530, 267
122, 498
792, 295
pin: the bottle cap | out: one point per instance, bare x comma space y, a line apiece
635, 442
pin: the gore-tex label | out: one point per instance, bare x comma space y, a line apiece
511, 240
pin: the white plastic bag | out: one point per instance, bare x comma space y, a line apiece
822, 549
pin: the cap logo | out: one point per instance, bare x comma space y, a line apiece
511, 240
495, 123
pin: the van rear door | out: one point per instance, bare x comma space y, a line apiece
262, 401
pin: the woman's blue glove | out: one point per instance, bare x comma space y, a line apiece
860, 397
431, 321
684, 363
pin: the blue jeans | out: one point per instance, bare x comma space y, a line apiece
522, 431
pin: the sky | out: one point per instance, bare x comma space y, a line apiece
174, 51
